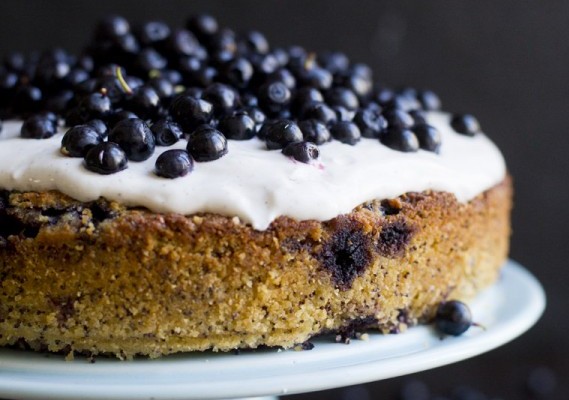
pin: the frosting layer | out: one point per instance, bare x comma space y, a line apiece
258, 185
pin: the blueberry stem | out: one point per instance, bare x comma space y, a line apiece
123, 83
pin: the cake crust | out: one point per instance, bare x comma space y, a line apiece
101, 277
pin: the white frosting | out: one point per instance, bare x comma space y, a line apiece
258, 185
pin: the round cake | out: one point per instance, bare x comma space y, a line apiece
174, 190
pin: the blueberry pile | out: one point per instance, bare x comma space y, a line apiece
137, 87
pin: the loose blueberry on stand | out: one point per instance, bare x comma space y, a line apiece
280, 133
135, 138
453, 318
106, 158
174, 164
400, 139
429, 137
239, 126
207, 144
78, 140
304, 152
346, 132
465, 124
38, 127
166, 132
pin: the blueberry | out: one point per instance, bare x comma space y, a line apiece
152, 32
106, 158
127, 45
400, 139
429, 100
256, 42
111, 27
181, 43
453, 318
334, 62
163, 87
305, 96
346, 132
166, 132
304, 152
76, 76
315, 131
223, 41
145, 102
370, 122
397, 118
280, 133
274, 97
99, 126
404, 102
190, 112
149, 59
383, 96
285, 76
38, 127
257, 115
174, 164
207, 144
118, 116
419, 117
134, 137
319, 111
465, 124
249, 100
340, 96
343, 114
223, 97
239, 126
358, 83
78, 140
203, 25
171, 75
316, 77
264, 64
429, 137
237, 72
96, 105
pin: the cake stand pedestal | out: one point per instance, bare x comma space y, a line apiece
507, 309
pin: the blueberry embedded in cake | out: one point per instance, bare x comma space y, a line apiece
183, 189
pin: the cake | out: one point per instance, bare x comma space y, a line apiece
175, 190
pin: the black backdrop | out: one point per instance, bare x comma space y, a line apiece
505, 61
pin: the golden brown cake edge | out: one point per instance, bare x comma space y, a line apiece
104, 278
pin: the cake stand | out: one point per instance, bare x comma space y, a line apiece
507, 310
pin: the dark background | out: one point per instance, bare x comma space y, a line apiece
507, 62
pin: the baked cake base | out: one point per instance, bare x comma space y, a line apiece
104, 278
